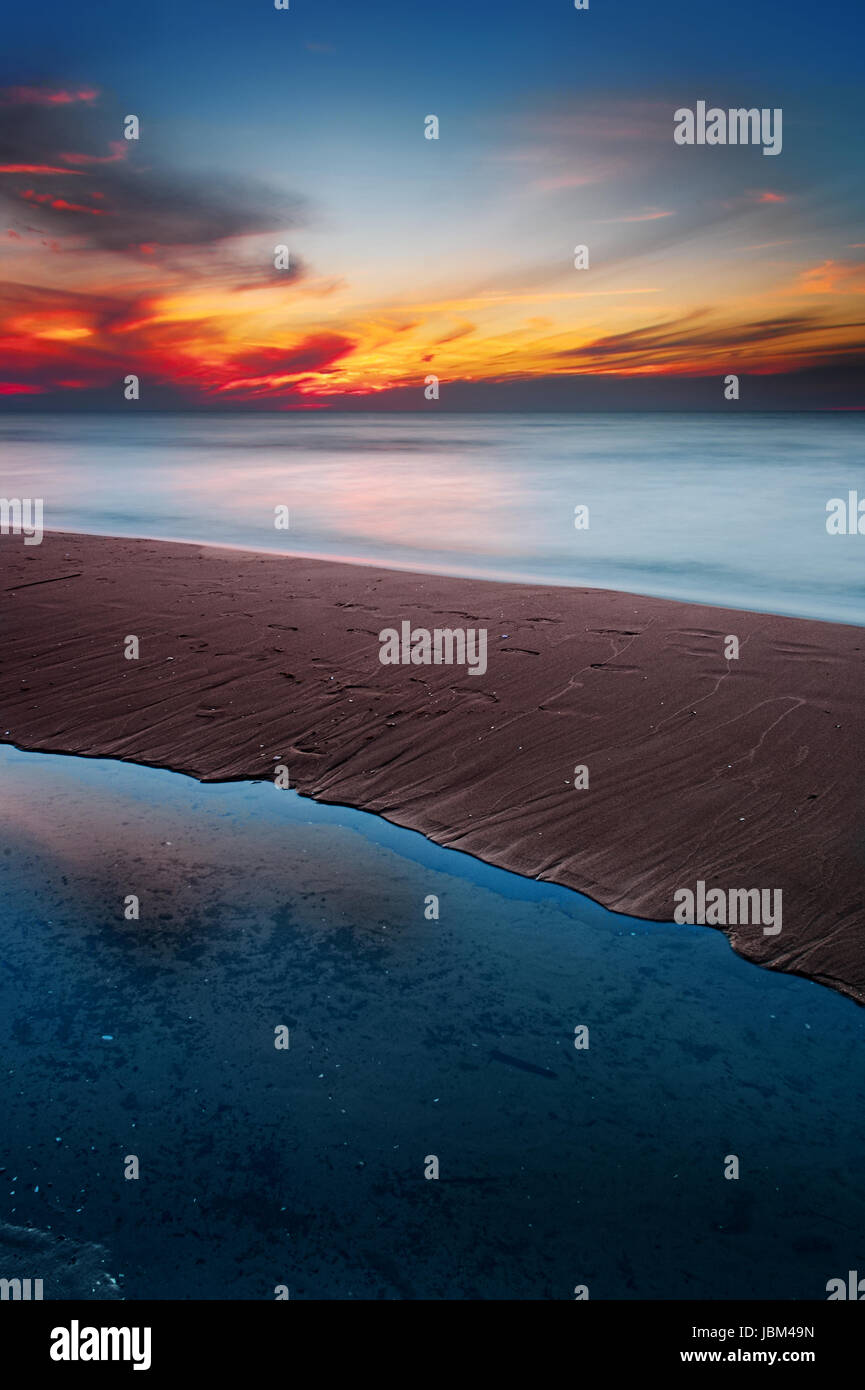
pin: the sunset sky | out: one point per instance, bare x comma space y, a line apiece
411, 256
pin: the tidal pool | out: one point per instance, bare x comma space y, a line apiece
409, 1038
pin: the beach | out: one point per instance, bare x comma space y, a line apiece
696, 767
432, 652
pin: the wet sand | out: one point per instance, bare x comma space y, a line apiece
740, 773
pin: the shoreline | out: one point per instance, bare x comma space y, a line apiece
471, 577
737, 773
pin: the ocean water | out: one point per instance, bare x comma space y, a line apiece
727, 509
408, 1038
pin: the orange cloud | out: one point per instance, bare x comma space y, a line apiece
834, 277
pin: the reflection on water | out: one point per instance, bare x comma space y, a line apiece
719, 509
409, 1037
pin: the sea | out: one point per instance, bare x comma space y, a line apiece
727, 509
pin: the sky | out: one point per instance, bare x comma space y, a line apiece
410, 257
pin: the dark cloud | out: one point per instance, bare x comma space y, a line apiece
111, 197
695, 333
222, 266
314, 353
833, 387
685, 333
454, 334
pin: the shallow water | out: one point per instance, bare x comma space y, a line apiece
408, 1038
726, 509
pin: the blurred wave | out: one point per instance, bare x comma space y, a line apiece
721, 509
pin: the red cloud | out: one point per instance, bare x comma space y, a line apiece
31, 196
118, 148
316, 351
41, 96
37, 169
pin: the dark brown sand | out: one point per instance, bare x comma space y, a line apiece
743, 774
